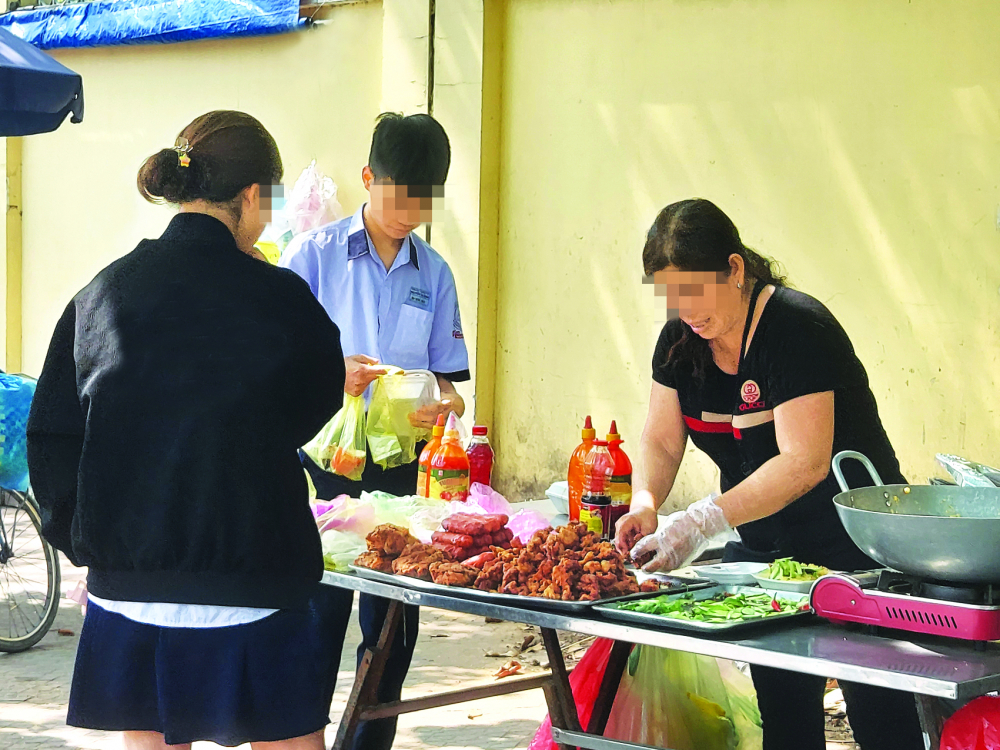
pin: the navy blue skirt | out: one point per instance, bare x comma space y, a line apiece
265, 681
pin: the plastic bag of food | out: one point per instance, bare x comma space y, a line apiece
348, 514
975, 726
585, 680
340, 548
686, 702
340, 446
16, 392
395, 396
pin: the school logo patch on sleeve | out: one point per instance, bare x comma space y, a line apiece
456, 328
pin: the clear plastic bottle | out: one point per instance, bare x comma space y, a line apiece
595, 503
576, 469
480, 457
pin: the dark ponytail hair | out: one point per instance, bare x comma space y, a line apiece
228, 151
695, 235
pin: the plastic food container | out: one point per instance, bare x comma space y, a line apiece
558, 495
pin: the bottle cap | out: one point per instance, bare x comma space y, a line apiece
438, 430
613, 436
603, 443
589, 433
479, 430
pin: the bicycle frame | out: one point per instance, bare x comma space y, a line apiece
8, 499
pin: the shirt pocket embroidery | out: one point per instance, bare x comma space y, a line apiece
412, 338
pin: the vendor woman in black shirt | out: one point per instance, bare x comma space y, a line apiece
766, 382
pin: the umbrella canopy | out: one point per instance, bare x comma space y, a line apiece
36, 92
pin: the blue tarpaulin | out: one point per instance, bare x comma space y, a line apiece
36, 92
110, 22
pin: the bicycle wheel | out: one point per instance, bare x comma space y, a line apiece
29, 574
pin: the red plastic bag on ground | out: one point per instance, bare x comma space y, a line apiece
586, 683
975, 726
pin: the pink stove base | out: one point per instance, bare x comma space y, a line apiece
840, 599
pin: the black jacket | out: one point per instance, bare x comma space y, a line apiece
163, 436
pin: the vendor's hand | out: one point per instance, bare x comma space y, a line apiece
683, 536
362, 370
426, 416
632, 527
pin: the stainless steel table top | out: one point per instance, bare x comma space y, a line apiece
930, 666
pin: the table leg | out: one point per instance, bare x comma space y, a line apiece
559, 694
933, 713
617, 662
365, 690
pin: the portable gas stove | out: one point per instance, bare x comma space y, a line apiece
894, 600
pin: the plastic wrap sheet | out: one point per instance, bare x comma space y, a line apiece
112, 22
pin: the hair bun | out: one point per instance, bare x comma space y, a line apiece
162, 179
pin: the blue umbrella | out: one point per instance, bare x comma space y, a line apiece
36, 92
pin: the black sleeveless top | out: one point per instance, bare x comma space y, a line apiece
798, 348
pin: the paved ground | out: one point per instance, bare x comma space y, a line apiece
451, 652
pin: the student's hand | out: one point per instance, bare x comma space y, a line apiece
362, 370
426, 416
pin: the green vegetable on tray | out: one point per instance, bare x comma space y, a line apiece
720, 608
786, 569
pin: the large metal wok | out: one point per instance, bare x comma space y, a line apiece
939, 532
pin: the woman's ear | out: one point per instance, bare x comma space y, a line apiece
737, 269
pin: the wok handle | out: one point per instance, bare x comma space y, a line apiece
860, 457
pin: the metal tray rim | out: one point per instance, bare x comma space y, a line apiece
534, 602
642, 618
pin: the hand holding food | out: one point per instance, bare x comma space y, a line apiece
633, 526
683, 536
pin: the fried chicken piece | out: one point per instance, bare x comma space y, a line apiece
649, 585
375, 561
416, 559
453, 574
388, 539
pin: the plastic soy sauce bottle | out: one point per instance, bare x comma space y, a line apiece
595, 503
577, 469
449, 469
480, 457
424, 464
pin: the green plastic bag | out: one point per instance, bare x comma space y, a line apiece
339, 447
395, 396
685, 702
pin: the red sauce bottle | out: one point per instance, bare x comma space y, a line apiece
480, 457
621, 479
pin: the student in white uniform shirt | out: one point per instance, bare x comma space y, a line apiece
393, 298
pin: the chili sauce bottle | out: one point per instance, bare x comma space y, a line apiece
576, 469
449, 468
424, 463
621, 478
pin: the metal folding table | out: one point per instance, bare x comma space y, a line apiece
928, 667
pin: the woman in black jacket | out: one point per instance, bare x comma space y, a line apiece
162, 446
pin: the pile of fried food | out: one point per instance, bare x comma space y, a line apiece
569, 563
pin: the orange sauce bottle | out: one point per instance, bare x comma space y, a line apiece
449, 469
577, 470
424, 463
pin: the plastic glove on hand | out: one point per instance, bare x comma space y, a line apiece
683, 536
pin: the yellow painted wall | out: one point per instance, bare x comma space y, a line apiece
858, 142
318, 91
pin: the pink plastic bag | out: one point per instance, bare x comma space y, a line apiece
586, 683
975, 726
347, 514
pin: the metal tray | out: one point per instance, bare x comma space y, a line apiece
513, 600
609, 609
